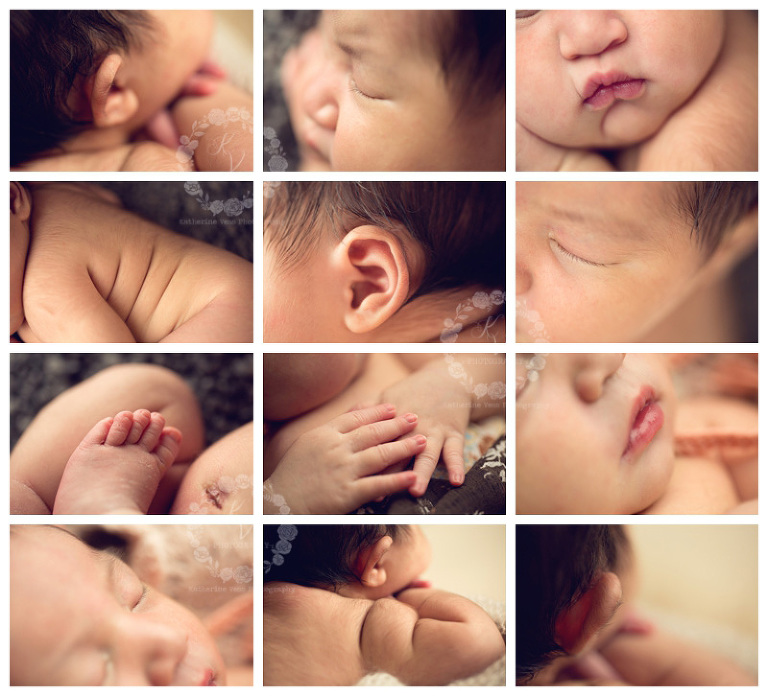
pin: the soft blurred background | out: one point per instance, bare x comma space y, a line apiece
468, 559
282, 29
223, 383
701, 582
233, 46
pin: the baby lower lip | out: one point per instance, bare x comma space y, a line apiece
605, 95
647, 423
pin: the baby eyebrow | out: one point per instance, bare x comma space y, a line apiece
355, 52
599, 223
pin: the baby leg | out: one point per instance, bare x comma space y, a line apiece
118, 466
220, 481
39, 458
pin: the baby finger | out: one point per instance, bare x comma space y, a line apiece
379, 457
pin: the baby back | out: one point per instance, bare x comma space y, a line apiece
311, 636
152, 278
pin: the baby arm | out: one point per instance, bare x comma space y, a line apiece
63, 306
660, 659
448, 394
429, 637
332, 469
219, 129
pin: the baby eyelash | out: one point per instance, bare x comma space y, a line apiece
562, 250
354, 88
144, 589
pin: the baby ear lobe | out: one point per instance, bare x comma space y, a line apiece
377, 277
111, 104
577, 625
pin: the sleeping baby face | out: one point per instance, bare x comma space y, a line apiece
600, 262
610, 78
594, 433
366, 91
82, 617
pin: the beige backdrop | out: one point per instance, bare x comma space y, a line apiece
468, 559
707, 572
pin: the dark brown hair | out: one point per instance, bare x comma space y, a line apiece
714, 207
471, 49
459, 225
49, 50
320, 555
556, 565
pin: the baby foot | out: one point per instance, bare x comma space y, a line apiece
117, 467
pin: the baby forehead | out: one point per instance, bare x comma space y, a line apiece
634, 209
405, 29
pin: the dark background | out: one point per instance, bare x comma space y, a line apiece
282, 29
223, 383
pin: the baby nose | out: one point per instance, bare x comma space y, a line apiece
593, 371
154, 648
321, 103
590, 33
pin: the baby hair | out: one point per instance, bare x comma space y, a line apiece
714, 207
471, 47
459, 225
556, 565
322, 555
50, 50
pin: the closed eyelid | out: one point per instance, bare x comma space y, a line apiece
559, 248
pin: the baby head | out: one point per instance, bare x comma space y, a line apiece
373, 261
609, 261
82, 617
610, 78
401, 90
77, 70
21, 210
366, 561
594, 433
569, 587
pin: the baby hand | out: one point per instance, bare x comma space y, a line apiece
332, 469
444, 410
161, 127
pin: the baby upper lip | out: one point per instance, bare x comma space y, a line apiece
599, 80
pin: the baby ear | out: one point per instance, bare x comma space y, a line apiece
577, 625
368, 565
21, 205
375, 274
111, 103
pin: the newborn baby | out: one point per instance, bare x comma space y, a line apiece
659, 90
347, 601
85, 270
596, 434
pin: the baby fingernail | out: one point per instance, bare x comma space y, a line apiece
419, 439
411, 417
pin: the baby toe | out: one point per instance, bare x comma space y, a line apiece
141, 419
97, 435
168, 447
120, 428
151, 435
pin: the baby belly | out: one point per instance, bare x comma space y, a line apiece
381, 370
